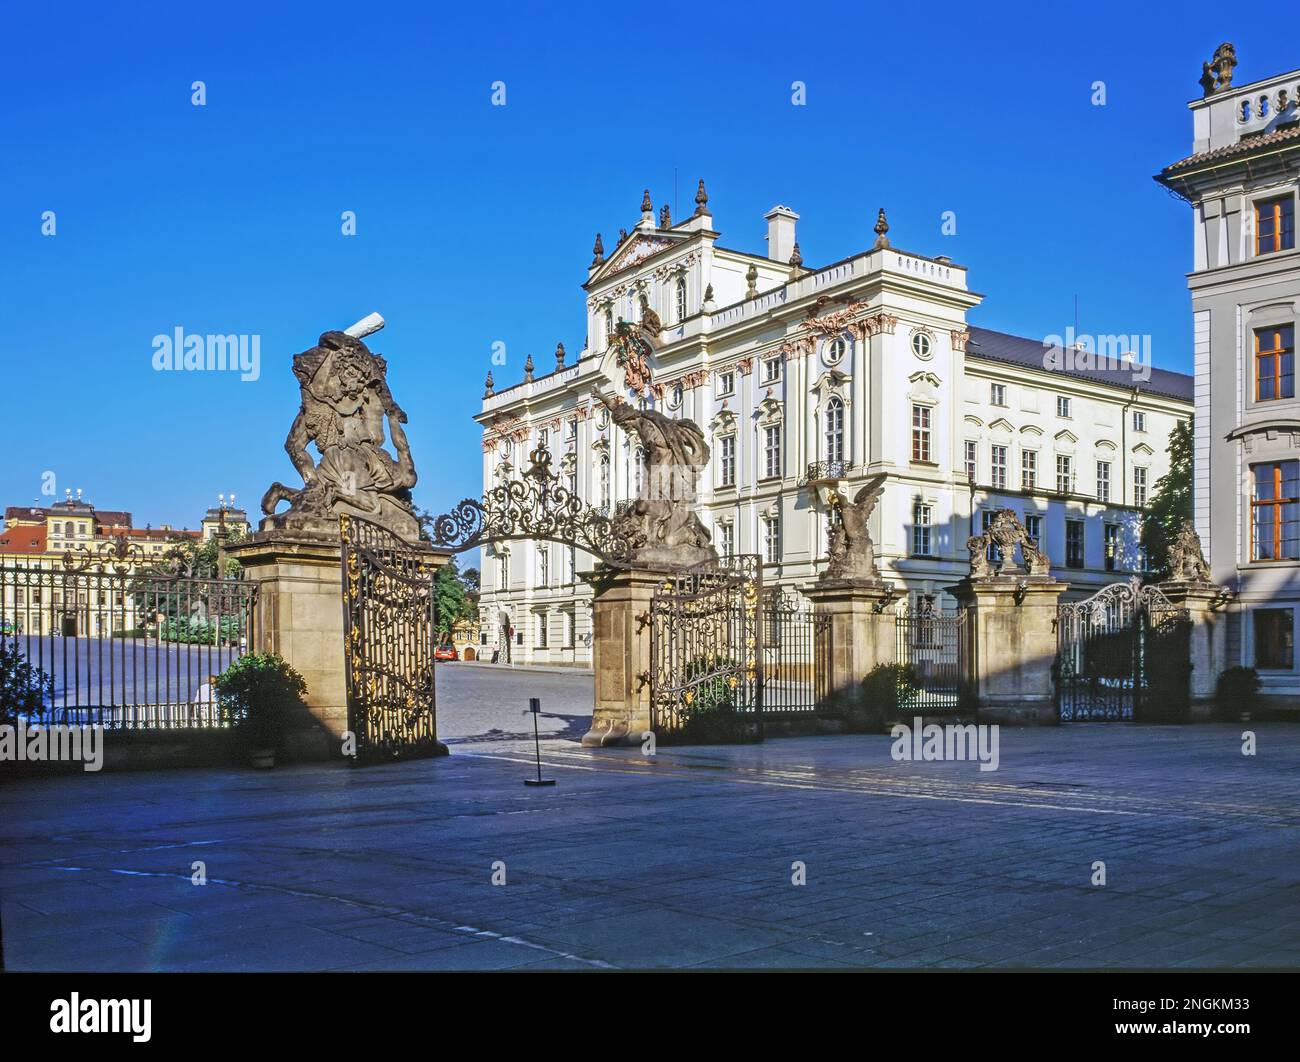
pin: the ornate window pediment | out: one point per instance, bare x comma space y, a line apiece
925, 377
1144, 449
1002, 424
1032, 429
1066, 436
723, 422
770, 409
830, 380
972, 420
1105, 444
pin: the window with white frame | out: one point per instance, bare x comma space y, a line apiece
771, 369
571, 429
503, 571
571, 574
997, 394
972, 460
1062, 406
1139, 486
726, 383
542, 640
570, 628
922, 522
1111, 533
986, 521
921, 416
835, 429
681, 298
1028, 469
1064, 474
543, 566
771, 539
836, 349
1074, 543
772, 451
1034, 528
543, 439
1103, 481
726, 539
1139, 420
638, 470
998, 467
604, 479
727, 461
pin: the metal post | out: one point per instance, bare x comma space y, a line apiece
535, 707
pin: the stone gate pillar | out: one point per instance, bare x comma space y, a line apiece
1207, 638
620, 653
852, 622
300, 617
1011, 621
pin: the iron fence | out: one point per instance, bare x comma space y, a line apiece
931, 644
789, 655
122, 648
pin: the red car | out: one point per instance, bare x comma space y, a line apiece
445, 652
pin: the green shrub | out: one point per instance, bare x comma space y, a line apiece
25, 690
1237, 691
888, 693
258, 694
709, 712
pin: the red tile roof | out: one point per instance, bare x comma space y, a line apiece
1241, 147
24, 540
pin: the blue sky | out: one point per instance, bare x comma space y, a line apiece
475, 222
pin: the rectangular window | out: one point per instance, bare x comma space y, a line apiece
1103, 481
921, 524
1034, 528
1275, 511
998, 394
570, 629
1274, 363
726, 540
1064, 474
727, 461
1028, 469
543, 566
1275, 638
1112, 547
1062, 406
726, 383
772, 451
1074, 543
541, 630
972, 460
1139, 420
986, 521
771, 370
1275, 225
921, 433
771, 539
999, 467
543, 439
572, 428
1139, 487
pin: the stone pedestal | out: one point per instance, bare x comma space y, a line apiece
851, 614
1208, 638
620, 654
300, 617
1011, 621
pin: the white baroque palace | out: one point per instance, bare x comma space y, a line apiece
811, 380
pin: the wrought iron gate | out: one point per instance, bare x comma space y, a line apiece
706, 654
789, 655
932, 645
1123, 655
388, 639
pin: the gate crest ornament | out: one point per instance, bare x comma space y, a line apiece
1005, 532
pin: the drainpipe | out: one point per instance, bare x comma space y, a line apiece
1123, 456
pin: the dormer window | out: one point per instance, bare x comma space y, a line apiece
1275, 225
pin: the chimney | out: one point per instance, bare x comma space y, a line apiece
780, 233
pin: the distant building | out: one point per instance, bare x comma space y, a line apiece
808, 380
1241, 182
40, 537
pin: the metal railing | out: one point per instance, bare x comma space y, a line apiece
824, 471
123, 649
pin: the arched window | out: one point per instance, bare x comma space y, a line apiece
69, 529
835, 430
609, 323
681, 298
604, 479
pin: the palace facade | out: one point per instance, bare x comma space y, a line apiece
1241, 183
807, 381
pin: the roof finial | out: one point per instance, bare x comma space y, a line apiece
646, 206
528, 369
559, 355
488, 385
882, 227
701, 200
598, 251
796, 259
665, 218
751, 279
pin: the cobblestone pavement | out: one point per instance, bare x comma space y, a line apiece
684, 859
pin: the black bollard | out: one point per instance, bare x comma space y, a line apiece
535, 707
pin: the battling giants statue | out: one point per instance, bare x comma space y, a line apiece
1186, 561
345, 401
852, 553
661, 525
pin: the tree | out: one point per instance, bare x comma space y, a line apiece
25, 690
451, 600
1170, 504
